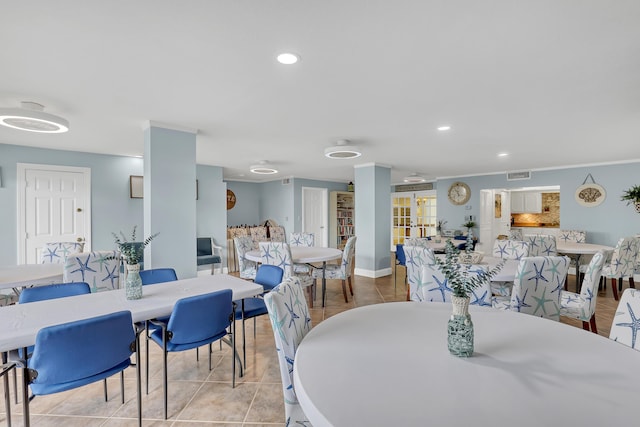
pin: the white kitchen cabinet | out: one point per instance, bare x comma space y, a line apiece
526, 202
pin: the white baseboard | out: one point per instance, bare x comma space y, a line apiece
374, 274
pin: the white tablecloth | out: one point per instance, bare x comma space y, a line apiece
15, 276
388, 365
21, 322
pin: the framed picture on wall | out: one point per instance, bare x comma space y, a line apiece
136, 186
498, 206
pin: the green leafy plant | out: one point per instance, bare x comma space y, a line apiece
461, 277
631, 195
130, 250
469, 224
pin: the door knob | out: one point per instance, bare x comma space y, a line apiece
80, 239
79, 210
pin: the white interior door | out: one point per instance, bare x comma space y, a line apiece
315, 214
487, 213
53, 206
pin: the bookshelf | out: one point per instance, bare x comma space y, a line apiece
341, 218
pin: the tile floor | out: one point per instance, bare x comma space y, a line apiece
199, 397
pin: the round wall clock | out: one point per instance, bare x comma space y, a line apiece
459, 193
590, 195
231, 199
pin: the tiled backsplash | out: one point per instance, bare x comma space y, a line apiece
550, 212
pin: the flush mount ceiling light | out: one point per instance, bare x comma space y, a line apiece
263, 168
342, 150
288, 58
31, 117
503, 154
444, 128
414, 178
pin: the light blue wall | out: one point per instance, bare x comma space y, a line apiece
211, 206
298, 183
257, 202
604, 224
112, 209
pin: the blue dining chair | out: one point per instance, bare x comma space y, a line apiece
269, 276
152, 277
401, 260
194, 322
82, 352
41, 293
57, 290
157, 275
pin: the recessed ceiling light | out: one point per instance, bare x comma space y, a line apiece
288, 58
263, 168
342, 150
32, 118
503, 154
443, 128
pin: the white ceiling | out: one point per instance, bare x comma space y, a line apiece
551, 82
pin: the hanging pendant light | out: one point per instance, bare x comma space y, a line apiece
32, 118
342, 150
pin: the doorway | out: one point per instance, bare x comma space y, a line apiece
54, 205
413, 214
314, 214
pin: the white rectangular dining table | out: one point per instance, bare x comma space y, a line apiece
18, 276
21, 322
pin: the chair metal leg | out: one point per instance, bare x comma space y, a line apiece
244, 338
122, 387
210, 351
7, 397
106, 397
164, 373
233, 349
138, 379
25, 392
146, 364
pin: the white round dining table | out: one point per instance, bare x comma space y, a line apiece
306, 255
576, 250
388, 365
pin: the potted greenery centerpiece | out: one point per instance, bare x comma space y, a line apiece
131, 253
632, 195
462, 279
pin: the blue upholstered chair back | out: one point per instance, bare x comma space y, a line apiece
158, 275
401, 259
269, 276
74, 354
58, 290
200, 318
